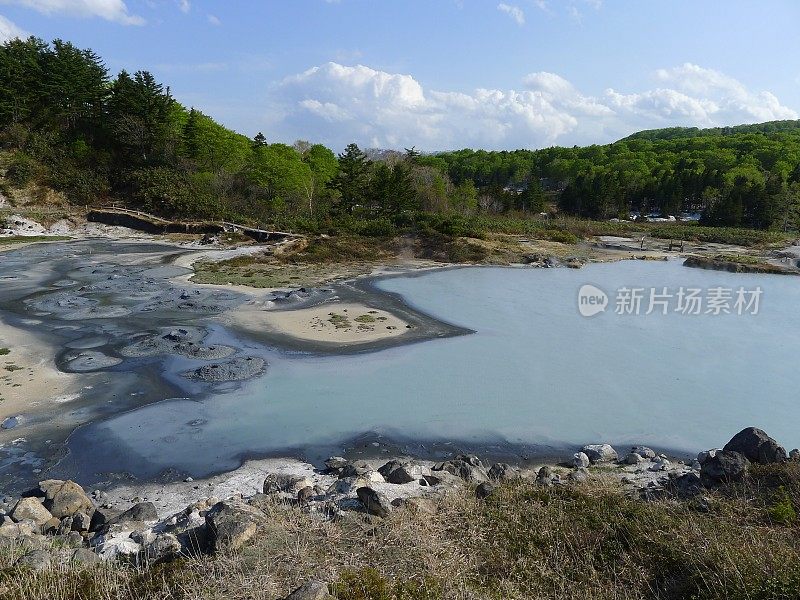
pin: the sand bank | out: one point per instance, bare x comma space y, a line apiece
338, 323
30, 383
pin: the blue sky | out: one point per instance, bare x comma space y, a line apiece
442, 74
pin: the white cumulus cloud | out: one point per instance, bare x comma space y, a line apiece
339, 104
515, 12
9, 31
185, 6
110, 10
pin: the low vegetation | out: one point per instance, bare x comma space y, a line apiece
577, 541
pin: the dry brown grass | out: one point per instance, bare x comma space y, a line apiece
526, 541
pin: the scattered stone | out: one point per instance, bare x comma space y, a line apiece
374, 502
706, 454
139, 513
579, 475
38, 560
644, 452
102, 516
232, 524
164, 547
425, 506
306, 494
686, 485
31, 509
484, 490
545, 475
659, 464
84, 556
503, 472
756, 446
355, 469
399, 472
467, 467
236, 369
633, 458
335, 464
311, 590
279, 482
723, 467
65, 498
600, 453
580, 460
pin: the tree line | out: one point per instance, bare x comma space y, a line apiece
70, 125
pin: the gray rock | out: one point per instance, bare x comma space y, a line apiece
138, 514
756, 446
232, 524
400, 472
600, 453
311, 590
725, 466
81, 522
687, 485
579, 475
84, 556
12, 530
291, 484
503, 472
545, 475
163, 548
38, 560
644, 452
305, 495
355, 469
374, 502
484, 490
706, 454
464, 467
633, 458
31, 509
336, 463
580, 460
65, 498
102, 516
794, 455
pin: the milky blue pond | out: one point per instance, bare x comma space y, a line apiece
535, 372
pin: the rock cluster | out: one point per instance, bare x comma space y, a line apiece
85, 532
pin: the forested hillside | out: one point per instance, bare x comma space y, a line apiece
67, 123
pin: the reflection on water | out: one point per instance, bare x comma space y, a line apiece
535, 372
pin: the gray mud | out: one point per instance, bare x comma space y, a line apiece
113, 312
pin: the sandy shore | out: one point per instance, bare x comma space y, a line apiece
338, 323
30, 383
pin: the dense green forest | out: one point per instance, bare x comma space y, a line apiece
67, 123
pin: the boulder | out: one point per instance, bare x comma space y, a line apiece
38, 560
232, 524
311, 590
545, 475
32, 510
644, 452
164, 547
467, 467
400, 472
356, 468
306, 494
703, 456
600, 453
484, 490
794, 455
83, 556
110, 547
723, 467
374, 502
756, 446
335, 464
276, 483
81, 522
65, 498
503, 472
13, 530
580, 460
102, 516
687, 485
425, 506
136, 517
633, 458
579, 475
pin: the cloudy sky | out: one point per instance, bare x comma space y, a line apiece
444, 74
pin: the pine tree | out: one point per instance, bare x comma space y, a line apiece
259, 141
352, 179
191, 142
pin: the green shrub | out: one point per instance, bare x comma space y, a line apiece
782, 510
22, 170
